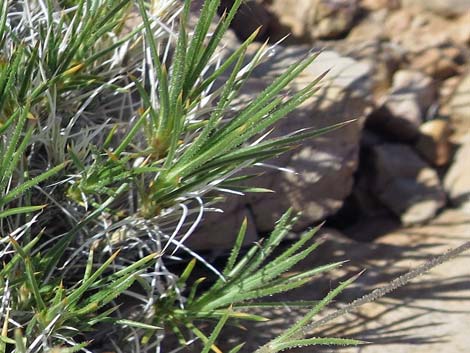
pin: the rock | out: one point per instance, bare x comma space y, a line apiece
315, 19
430, 42
461, 29
374, 5
325, 165
383, 57
404, 109
332, 19
398, 22
370, 27
447, 89
414, 83
422, 317
404, 183
251, 15
433, 143
415, 31
439, 63
457, 179
459, 104
218, 231
458, 108
441, 7
447, 95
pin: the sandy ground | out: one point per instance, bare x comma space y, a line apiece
431, 314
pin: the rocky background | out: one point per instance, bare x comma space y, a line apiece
401, 70
393, 186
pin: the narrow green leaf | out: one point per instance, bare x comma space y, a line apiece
73, 297
232, 58
89, 265
178, 67
130, 135
315, 310
187, 271
236, 248
192, 292
208, 11
268, 94
214, 119
4, 126
20, 189
133, 268
278, 304
30, 274
21, 210
27, 79
8, 81
235, 295
203, 56
216, 332
262, 149
6, 340
7, 166
8, 267
327, 341
20, 346
237, 348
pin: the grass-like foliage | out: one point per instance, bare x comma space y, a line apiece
117, 134
115, 139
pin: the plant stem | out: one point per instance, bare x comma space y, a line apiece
375, 294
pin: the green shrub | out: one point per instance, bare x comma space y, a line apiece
114, 142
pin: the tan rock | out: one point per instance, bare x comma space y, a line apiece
405, 184
460, 30
447, 8
404, 108
457, 179
325, 165
433, 143
374, 5
384, 57
460, 101
457, 107
398, 21
417, 31
218, 231
446, 91
324, 19
370, 27
440, 63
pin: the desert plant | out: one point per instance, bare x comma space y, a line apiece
114, 142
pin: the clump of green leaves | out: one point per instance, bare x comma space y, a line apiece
66, 158
185, 151
111, 140
114, 141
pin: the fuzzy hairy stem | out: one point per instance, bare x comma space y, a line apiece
375, 294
